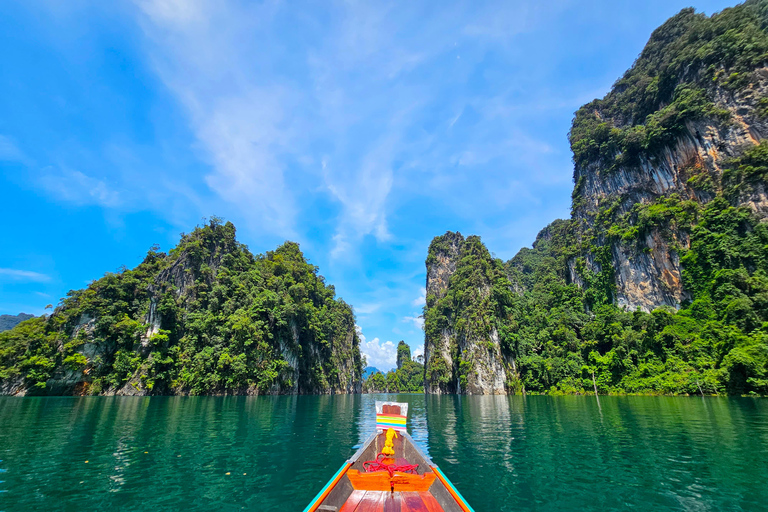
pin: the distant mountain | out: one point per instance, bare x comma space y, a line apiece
407, 377
10, 321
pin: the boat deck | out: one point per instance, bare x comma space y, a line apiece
402, 480
386, 501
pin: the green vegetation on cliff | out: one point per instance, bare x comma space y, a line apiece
408, 377
669, 207
208, 317
672, 82
717, 342
561, 334
471, 308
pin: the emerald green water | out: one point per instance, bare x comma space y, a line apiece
502, 453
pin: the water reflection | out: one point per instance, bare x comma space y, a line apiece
275, 453
2, 490
571, 453
172, 453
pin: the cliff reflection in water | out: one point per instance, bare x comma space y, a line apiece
275, 452
571, 453
172, 453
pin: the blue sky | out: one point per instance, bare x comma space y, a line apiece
360, 130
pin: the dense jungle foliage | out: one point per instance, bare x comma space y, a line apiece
467, 309
408, 377
568, 337
673, 81
562, 336
225, 321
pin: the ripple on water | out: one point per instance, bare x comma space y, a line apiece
503, 453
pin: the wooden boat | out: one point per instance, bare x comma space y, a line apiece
377, 480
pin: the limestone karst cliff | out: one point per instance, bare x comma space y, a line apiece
462, 349
693, 101
406, 377
659, 280
206, 318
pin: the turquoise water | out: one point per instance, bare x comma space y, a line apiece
502, 453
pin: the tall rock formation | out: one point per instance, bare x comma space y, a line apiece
694, 100
403, 354
462, 350
206, 318
670, 210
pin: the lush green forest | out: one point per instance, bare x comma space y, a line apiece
673, 81
560, 335
408, 377
208, 317
717, 342
569, 337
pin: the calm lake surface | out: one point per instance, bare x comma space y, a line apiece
275, 453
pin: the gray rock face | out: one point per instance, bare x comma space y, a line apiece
649, 279
652, 277
440, 267
349, 384
461, 357
446, 257
13, 387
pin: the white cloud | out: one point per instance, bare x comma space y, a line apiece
366, 309
10, 152
416, 319
23, 275
76, 187
500, 24
211, 57
362, 92
421, 300
345, 95
380, 355
244, 137
177, 11
364, 199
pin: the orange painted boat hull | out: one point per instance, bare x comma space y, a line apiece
353, 489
